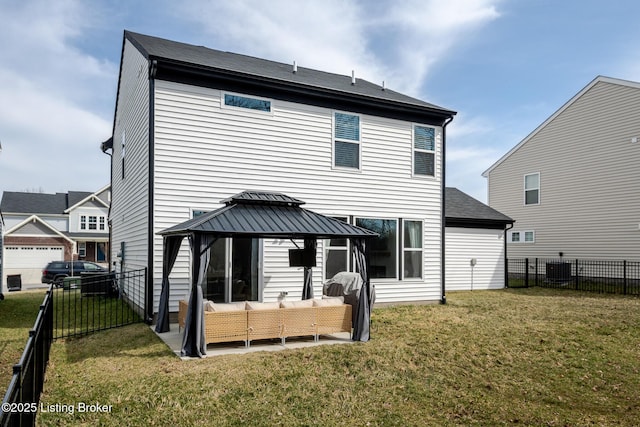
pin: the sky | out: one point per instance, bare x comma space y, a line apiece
504, 66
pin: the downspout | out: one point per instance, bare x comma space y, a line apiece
153, 68
443, 298
106, 145
506, 259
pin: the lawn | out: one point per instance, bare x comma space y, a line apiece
527, 356
18, 314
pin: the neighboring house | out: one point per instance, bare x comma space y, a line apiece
572, 184
39, 228
194, 126
475, 249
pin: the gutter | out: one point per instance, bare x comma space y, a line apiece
443, 219
506, 259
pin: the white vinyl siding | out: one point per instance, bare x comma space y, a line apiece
486, 247
205, 153
130, 205
591, 205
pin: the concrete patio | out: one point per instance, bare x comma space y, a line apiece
173, 339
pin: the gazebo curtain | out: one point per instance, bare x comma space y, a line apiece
307, 290
170, 253
365, 303
193, 342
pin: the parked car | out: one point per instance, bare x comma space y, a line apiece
56, 271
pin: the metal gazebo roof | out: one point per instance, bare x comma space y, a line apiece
266, 214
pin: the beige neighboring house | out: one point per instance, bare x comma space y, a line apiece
572, 185
39, 228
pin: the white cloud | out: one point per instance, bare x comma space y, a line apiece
50, 90
395, 41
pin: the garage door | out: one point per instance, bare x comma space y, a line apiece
28, 261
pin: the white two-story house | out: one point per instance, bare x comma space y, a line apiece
39, 228
194, 126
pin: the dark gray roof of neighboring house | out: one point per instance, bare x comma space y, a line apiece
40, 203
269, 72
463, 210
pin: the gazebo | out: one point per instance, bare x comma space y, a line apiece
257, 214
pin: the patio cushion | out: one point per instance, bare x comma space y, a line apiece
226, 307
297, 304
254, 305
328, 302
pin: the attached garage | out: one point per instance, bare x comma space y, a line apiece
28, 261
475, 250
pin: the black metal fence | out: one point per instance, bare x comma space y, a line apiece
20, 403
80, 306
96, 302
608, 276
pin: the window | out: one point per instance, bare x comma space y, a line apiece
247, 102
424, 151
102, 222
346, 144
383, 257
83, 222
93, 223
532, 189
82, 249
197, 212
523, 237
123, 141
412, 248
336, 255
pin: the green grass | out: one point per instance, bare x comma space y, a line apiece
76, 314
18, 314
527, 356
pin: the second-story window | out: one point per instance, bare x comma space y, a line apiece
424, 151
250, 103
83, 222
346, 143
532, 189
102, 223
93, 223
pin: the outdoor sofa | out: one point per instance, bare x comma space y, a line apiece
250, 320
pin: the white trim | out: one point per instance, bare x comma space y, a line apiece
595, 81
35, 218
91, 197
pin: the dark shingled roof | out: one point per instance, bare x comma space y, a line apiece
250, 214
40, 203
463, 210
268, 71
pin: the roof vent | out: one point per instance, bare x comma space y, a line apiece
295, 67
383, 85
353, 77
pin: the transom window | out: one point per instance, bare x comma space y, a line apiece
346, 148
250, 103
424, 151
532, 189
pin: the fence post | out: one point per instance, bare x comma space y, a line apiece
537, 278
624, 269
577, 277
526, 272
